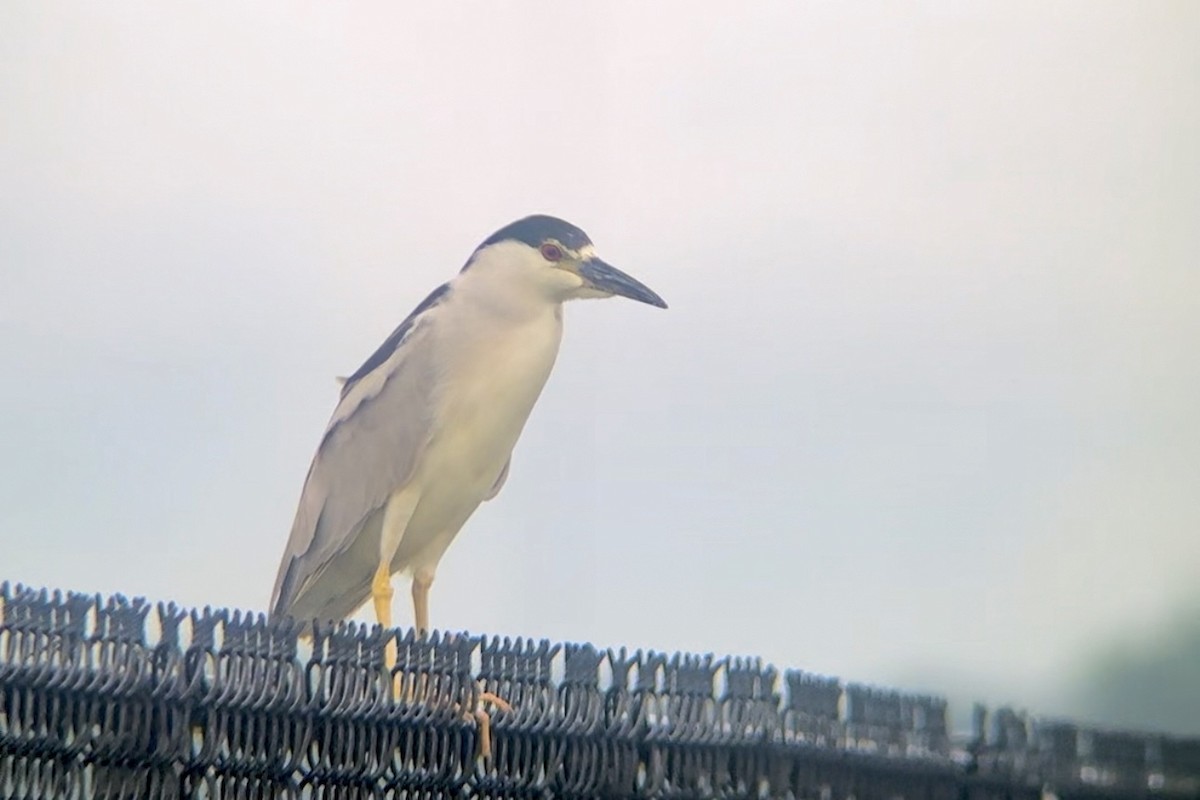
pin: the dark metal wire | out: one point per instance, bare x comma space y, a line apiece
113, 698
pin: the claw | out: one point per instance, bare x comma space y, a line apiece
484, 722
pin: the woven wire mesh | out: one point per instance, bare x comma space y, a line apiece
113, 698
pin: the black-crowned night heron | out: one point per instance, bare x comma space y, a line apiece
425, 429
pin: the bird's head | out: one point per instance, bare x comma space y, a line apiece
554, 259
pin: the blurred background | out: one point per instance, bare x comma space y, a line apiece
923, 411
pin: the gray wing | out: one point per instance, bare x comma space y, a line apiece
379, 429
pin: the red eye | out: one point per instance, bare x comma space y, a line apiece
551, 252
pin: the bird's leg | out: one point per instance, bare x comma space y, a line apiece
396, 516
381, 595
422, 580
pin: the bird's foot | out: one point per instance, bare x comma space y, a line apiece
416, 690
408, 692
483, 722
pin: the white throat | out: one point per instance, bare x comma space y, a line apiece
512, 279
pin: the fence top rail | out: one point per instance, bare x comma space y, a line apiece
248, 666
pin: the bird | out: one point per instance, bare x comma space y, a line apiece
423, 432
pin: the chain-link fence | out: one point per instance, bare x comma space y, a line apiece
111, 698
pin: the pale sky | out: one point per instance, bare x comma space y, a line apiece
922, 410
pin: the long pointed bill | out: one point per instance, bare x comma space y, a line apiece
608, 278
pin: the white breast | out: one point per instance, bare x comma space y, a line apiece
490, 387
494, 370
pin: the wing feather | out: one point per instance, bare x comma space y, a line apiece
378, 430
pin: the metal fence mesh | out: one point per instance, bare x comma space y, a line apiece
113, 698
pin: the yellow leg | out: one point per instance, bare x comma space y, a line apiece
381, 595
420, 595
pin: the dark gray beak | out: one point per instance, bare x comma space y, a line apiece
610, 279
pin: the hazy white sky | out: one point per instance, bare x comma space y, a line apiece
923, 407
